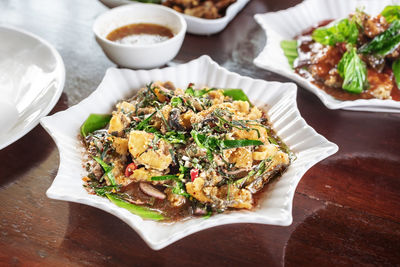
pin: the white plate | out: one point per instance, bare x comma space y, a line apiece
197, 25
32, 76
286, 24
279, 99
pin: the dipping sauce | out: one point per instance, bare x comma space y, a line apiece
140, 34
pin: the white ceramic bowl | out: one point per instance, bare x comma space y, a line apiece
32, 76
286, 24
140, 56
278, 99
198, 25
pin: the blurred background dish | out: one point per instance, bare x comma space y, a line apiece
32, 78
289, 23
133, 52
196, 25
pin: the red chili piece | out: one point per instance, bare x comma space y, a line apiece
129, 169
194, 173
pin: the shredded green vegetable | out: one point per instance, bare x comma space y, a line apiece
94, 122
141, 211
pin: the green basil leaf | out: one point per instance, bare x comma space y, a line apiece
226, 144
354, 72
391, 13
236, 94
289, 48
343, 31
143, 212
384, 43
396, 71
94, 122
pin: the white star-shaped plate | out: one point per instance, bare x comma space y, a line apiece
278, 99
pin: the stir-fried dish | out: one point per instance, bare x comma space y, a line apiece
206, 9
355, 58
168, 153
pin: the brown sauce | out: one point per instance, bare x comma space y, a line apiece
172, 213
320, 70
140, 33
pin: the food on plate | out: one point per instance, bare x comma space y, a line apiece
354, 58
168, 153
206, 9
140, 34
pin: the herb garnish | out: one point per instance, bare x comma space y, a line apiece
107, 170
354, 72
343, 31
384, 43
391, 13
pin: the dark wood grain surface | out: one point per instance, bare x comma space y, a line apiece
346, 208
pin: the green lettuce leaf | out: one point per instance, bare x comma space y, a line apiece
289, 48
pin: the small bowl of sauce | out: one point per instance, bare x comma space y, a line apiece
140, 36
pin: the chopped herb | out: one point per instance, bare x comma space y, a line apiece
107, 170
226, 144
164, 177
176, 101
179, 189
272, 140
198, 93
103, 190
173, 137
142, 125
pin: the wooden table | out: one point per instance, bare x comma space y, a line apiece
346, 208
